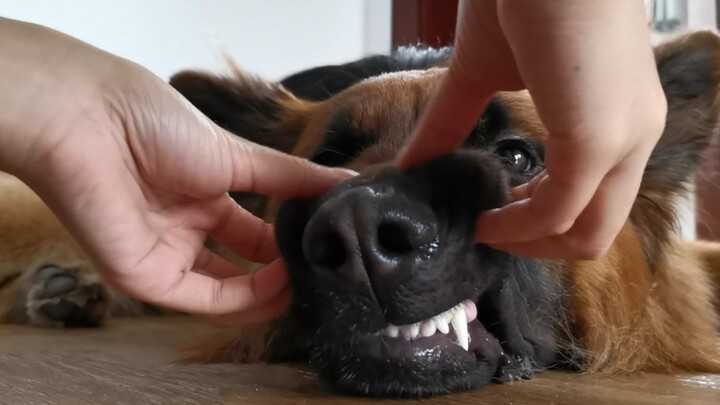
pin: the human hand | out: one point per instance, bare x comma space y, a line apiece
590, 69
140, 177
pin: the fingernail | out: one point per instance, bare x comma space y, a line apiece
352, 173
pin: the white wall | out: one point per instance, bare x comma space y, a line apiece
701, 14
269, 37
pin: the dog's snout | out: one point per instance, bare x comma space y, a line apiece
368, 233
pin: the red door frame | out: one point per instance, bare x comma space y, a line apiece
426, 22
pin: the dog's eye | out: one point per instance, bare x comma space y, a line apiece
516, 157
331, 158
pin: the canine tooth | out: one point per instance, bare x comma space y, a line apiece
427, 328
459, 324
392, 331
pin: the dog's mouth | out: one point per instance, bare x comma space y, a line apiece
451, 351
456, 330
455, 320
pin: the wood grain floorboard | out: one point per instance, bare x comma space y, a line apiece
134, 361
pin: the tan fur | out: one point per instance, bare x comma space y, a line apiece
30, 232
31, 237
527, 121
708, 254
637, 318
237, 344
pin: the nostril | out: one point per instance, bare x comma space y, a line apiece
328, 251
394, 238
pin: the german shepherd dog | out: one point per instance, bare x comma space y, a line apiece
391, 297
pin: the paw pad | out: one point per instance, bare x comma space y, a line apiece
66, 297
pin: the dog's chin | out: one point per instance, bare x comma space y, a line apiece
418, 360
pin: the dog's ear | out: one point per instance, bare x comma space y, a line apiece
246, 105
689, 69
250, 107
322, 82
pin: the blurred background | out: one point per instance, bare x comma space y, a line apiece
269, 37
274, 38
277, 37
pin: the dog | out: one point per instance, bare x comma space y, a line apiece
391, 298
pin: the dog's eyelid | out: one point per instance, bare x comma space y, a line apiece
520, 140
515, 137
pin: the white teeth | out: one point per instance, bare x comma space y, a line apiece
447, 315
410, 331
442, 326
459, 323
455, 317
427, 328
391, 331
414, 330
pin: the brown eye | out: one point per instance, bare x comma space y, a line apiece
515, 158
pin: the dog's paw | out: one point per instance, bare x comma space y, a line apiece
65, 297
513, 368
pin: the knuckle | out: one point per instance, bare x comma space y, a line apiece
655, 122
590, 248
593, 252
561, 227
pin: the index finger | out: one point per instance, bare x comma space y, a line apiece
448, 119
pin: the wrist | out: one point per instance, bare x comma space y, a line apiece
47, 80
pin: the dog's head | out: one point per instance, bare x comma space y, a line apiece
391, 295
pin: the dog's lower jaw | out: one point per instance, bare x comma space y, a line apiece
417, 376
375, 364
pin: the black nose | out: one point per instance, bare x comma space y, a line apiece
368, 233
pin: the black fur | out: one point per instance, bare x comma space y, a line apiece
248, 108
325, 81
689, 77
494, 120
339, 316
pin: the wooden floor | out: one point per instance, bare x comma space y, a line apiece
132, 361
